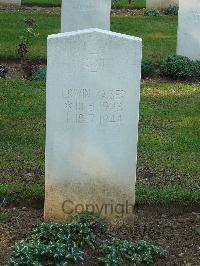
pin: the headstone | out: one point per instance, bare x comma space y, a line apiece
189, 29
93, 90
79, 14
11, 2
161, 3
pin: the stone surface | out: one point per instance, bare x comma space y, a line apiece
93, 90
161, 3
13, 2
79, 14
188, 43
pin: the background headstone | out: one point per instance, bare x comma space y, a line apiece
161, 3
93, 90
189, 29
79, 14
13, 2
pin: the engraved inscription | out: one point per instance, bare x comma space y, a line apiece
84, 6
101, 107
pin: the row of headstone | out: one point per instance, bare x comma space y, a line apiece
188, 40
93, 91
160, 4
11, 2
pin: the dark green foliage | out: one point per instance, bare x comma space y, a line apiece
55, 243
180, 67
148, 69
177, 67
40, 74
196, 69
64, 233
37, 253
61, 244
171, 10
93, 220
152, 12
118, 252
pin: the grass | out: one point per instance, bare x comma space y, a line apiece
159, 34
29, 194
22, 131
44, 3
169, 130
137, 4
168, 152
118, 4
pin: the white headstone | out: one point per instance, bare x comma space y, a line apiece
161, 3
11, 2
189, 29
93, 91
85, 14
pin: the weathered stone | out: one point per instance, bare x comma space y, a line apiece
93, 90
189, 29
161, 3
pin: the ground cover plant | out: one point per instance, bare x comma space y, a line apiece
180, 67
168, 148
171, 227
171, 10
158, 33
62, 244
152, 12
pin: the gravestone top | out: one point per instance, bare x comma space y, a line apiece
90, 30
79, 14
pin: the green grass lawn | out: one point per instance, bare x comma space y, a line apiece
42, 2
159, 34
124, 4
168, 152
118, 4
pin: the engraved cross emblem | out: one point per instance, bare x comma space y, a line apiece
94, 62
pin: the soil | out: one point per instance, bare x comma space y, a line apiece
30, 9
171, 227
15, 70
